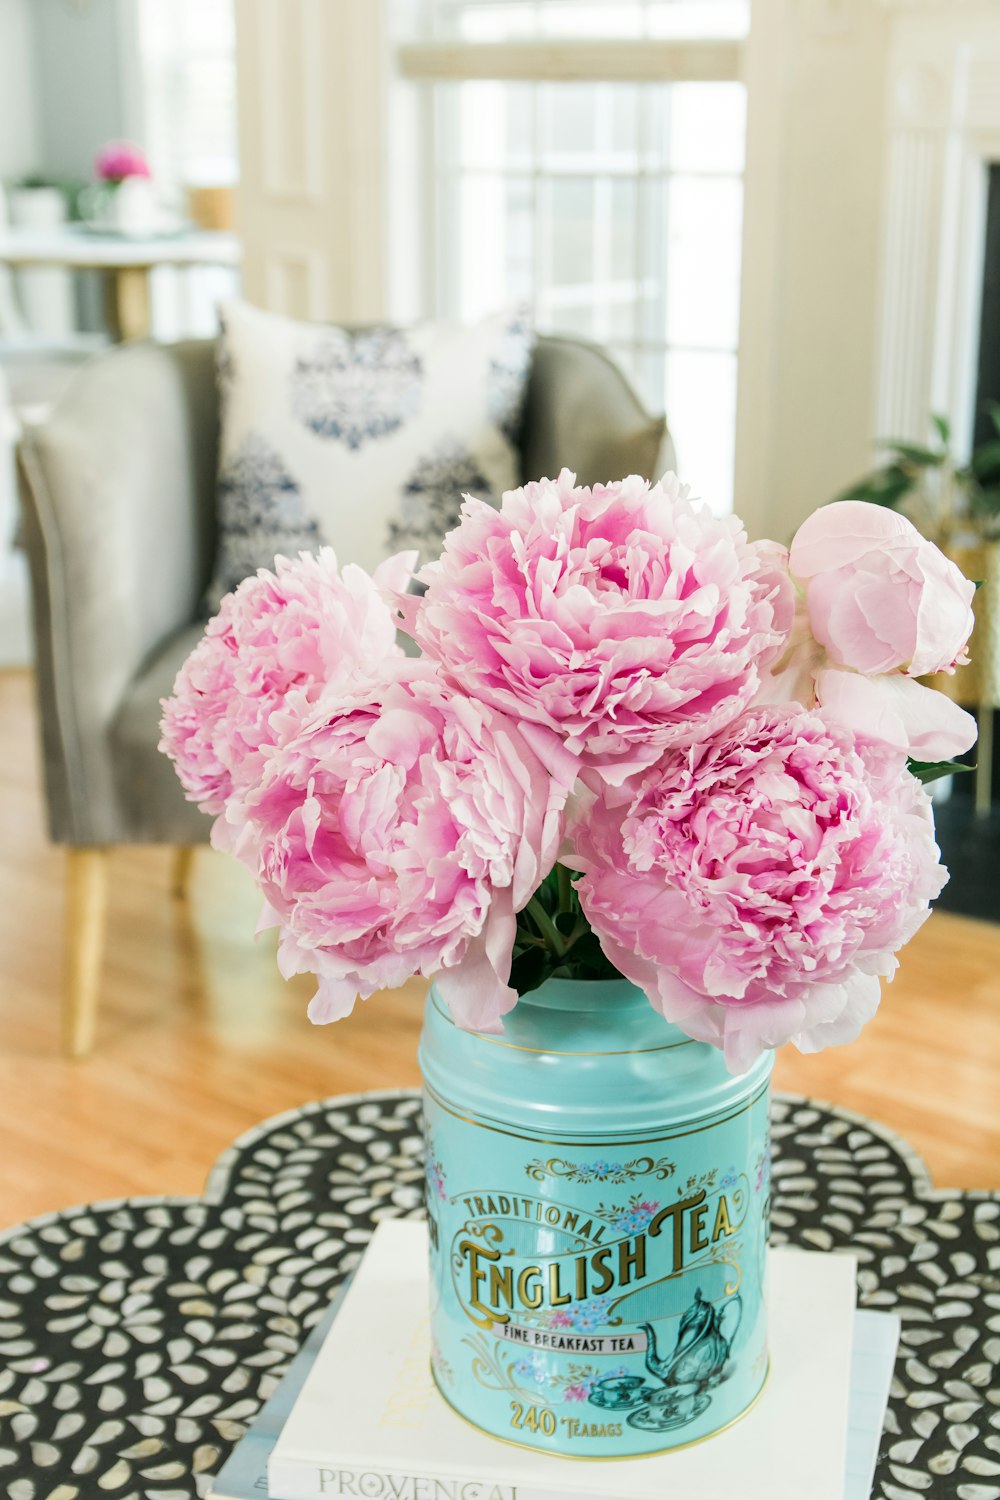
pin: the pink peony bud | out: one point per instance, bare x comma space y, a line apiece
881, 598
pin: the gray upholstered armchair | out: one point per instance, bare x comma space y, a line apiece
119, 522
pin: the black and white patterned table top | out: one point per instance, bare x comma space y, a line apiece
139, 1338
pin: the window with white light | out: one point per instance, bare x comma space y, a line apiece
184, 57
613, 208
187, 64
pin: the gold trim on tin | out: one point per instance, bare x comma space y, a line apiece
621, 1140
603, 1458
497, 1041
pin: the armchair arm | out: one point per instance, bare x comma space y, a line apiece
582, 413
118, 495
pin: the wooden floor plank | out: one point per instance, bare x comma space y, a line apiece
199, 1038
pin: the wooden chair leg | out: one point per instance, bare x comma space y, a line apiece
181, 866
86, 906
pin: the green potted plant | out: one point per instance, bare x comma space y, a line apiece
951, 502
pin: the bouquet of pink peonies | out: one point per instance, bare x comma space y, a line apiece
634, 744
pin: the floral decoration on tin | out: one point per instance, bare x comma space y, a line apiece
600, 1170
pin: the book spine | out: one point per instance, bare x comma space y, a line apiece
289, 1480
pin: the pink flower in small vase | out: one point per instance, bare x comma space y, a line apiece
276, 643
398, 833
625, 618
118, 160
758, 884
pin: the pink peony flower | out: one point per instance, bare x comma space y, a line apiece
398, 833
881, 598
274, 645
622, 617
758, 884
118, 160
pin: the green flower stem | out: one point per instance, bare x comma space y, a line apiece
546, 926
565, 887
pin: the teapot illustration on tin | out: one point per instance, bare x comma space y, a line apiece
697, 1364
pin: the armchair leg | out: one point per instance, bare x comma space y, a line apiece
86, 905
180, 875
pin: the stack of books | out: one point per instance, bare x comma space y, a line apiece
358, 1413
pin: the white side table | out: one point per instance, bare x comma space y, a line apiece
128, 261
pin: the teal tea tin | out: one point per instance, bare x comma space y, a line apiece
597, 1192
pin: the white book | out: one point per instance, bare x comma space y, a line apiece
369, 1421
873, 1355
876, 1339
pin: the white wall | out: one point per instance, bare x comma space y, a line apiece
311, 84
812, 256
20, 152
20, 132
79, 80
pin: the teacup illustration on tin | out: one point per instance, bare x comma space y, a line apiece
696, 1365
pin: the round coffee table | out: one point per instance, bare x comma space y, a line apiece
139, 1338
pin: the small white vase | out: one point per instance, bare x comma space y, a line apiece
126, 207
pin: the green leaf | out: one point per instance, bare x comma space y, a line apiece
943, 427
553, 940
986, 458
984, 500
586, 959
531, 969
927, 771
912, 453
993, 408
885, 487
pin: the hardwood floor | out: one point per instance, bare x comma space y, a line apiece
198, 1037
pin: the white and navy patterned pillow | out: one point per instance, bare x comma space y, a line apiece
432, 500
363, 440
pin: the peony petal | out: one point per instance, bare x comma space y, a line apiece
334, 999
896, 711
393, 575
945, 620
837, 535
475, 989
862, 995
